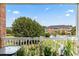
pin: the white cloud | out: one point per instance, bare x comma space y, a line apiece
70, 10
67, 14
47, 9
35, 17
16, 12
9, 10
14, 18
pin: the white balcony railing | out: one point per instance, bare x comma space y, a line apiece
17, 41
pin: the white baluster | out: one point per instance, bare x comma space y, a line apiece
6, 42
10, 42
26, 41
15, 42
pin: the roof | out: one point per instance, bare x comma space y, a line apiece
60, 26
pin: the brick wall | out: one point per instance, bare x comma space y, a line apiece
2, 23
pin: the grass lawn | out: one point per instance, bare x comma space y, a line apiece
9, 36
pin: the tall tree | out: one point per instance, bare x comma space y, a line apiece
8, 30
26, 27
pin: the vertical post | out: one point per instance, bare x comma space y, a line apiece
2, 23
77, 22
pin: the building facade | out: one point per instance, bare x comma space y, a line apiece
59, 28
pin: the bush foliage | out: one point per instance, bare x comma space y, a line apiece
26, 27
49, 48
47, 35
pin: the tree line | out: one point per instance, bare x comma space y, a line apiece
27, 27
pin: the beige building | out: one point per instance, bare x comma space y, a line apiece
59, 28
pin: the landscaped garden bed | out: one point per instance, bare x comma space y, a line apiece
49, 48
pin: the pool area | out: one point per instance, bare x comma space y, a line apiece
9, 50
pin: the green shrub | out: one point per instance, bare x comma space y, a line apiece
47, 51
55, 53
21, 52
8, 31
32, 50
47, 48
47, 34
69, 48
50, 47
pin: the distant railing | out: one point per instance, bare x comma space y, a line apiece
17, 41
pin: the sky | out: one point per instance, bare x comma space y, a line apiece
45, 14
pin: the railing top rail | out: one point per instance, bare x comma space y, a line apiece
35, 38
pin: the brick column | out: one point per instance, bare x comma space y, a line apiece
2, 23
